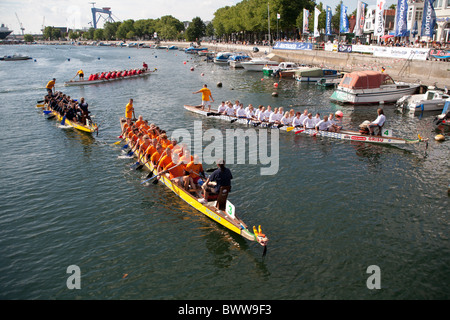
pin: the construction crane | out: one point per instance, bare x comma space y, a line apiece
100, 11
20, 23
43, 25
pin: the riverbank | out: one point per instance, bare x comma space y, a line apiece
427, 72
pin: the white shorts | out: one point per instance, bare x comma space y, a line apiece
206, 103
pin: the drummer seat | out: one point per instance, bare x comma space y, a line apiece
222, 197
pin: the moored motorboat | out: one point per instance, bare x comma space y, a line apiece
284, 69
368, 87
308, 74
235, 61
223, 212
432, 100
258, 64
222, 57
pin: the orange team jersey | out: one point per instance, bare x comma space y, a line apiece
164, 143
194, 169
176, 171
206, 93
139, 123
150, 150
155, 157
129, 110
164, 161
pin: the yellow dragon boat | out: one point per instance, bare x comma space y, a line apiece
223, 215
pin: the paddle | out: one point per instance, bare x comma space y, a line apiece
159, 174
299, 131
63, 121
288, 129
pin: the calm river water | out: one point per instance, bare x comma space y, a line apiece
333, 209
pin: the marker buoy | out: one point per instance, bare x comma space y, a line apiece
184, 62
219, 84
68, 59
275, 85
274, 94
192, 68
202, 74
339, 113
439, 137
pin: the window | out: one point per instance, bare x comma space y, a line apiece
419, 14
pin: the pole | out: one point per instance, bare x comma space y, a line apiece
268, 19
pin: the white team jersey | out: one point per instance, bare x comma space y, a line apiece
222, 108
296, 122
241, 112
323, 125
309, 123
230, 111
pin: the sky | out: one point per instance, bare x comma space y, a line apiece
77, 14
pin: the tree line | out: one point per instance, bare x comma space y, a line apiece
248, 20
165, 28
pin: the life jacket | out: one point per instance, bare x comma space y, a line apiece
113, 75
102, 76
91, 77
139, 71
95, 77
108, 75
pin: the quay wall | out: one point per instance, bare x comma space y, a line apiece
427, 72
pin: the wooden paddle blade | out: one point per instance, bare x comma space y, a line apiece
264, 251
139, 167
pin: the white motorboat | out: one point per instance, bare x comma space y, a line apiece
235, 61
367, 87
432, 100
222, 57
284, 69
258, 64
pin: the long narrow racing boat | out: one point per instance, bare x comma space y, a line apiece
343, 134
87, 82
226, 218
90, 127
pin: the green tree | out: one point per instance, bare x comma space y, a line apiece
28, 38
124, 29
98, 34
196, 30
209, 30
89, 35
110, 29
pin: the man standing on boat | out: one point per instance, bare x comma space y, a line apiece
50, 86
80, 74
206, 94
378, 123
222, 178
129, 111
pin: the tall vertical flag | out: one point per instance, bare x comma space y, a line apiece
401, 27
360, 18
316, 22
429, 19
305, 21
343, 25
379, 19
328, 25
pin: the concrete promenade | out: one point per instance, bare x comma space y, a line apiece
427, 72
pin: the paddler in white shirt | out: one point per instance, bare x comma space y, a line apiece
296, 122
323, 125
251, 113
240, 113
268, 113
285, 119
317, 118
304, 116
309, 123
230, 111
221, 108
